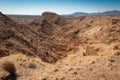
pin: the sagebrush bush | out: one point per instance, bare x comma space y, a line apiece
32, 65
77, 31
116, 47
9, 67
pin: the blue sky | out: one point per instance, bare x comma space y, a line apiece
36, 7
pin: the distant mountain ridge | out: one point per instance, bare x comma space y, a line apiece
114, 12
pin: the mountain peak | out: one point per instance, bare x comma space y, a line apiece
113, 12
50, 16
48, 13
53, 18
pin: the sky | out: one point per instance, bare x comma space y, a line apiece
36, 7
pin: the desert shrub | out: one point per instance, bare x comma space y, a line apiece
116, 47
115, 21
117, 53
32, 65
9, 67
91, 21
77, 31
88, 26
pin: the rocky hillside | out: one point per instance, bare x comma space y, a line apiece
81, 48
53, 37
37, 40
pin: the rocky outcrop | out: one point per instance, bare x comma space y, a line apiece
53, 18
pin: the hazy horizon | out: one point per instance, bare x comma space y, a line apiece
36, 7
